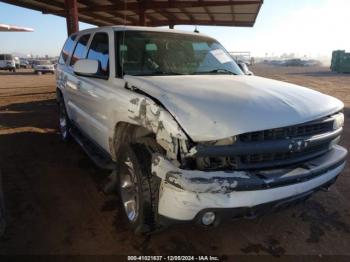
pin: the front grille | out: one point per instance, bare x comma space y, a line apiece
266, 159
307, 129
272, 148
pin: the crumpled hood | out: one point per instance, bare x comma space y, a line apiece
213, 107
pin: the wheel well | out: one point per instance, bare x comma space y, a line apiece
125, 133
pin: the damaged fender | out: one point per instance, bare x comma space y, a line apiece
146, 113
194, 180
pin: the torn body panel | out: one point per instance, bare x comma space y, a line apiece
146, 113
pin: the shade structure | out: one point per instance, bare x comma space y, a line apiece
152, 12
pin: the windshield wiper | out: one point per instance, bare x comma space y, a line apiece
218, 70
156, 73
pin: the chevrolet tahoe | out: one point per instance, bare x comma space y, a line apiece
186, 134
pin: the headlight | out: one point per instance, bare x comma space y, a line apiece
338, 121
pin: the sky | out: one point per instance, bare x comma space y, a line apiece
310, 28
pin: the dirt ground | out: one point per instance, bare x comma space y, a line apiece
55, 204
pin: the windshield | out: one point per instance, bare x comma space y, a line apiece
158, 53
43, 62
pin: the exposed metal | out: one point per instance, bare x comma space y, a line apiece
152, 12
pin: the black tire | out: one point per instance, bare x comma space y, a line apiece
146, 191
63, 120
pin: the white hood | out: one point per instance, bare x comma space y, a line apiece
219, 106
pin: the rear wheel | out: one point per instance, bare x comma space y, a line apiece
138, 188
64, 122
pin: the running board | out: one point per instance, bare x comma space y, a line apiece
96, 154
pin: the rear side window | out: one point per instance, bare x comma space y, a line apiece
99, 50
80, 49
67, 49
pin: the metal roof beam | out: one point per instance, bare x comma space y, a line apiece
25, 4
162, 5
128, 20
204, 22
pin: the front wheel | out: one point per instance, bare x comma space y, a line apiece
138, 188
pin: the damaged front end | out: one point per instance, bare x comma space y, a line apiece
242, 171
186, 194
152, 116
251, 169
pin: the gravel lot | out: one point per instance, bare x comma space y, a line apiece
55, 204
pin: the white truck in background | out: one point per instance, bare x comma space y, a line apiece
7, 62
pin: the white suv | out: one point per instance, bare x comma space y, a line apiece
7, 62
188, 135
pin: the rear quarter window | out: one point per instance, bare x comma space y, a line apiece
67, 49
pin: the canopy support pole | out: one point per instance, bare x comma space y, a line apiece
72, 17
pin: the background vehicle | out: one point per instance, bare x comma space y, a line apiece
23, 63
43, 66
17, 62
244, 67
188, 135
7, 62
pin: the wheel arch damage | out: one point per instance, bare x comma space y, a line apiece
148, 117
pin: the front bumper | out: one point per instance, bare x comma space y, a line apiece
186, 193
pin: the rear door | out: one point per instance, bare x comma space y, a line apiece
74, 90
63, 70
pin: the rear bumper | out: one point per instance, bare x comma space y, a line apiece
184, 194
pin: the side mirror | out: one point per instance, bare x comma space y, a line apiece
86, 67
245, 69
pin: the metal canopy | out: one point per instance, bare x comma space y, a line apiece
153, 12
